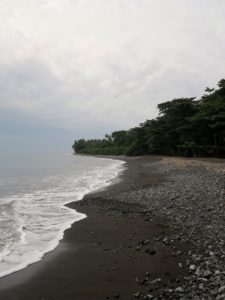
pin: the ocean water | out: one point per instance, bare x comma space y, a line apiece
33, 191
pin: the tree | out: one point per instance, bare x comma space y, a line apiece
185, 126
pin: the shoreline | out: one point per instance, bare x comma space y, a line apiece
117, 167
127, 246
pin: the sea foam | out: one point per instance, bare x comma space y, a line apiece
33, 223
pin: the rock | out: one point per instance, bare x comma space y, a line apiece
116, 296
144, 281
179, 289
192, 267
137, 295
207, 273
145, 242
197, 272
157, 280
221, 289
166, 241
220, 297
202, 279
217, 272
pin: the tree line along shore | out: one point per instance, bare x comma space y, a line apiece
184, 127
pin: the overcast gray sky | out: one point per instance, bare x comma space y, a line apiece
82, 68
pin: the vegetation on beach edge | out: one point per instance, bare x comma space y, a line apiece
184, 127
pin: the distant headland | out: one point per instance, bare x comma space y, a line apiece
184, 127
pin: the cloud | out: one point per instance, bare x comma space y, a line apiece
96, 66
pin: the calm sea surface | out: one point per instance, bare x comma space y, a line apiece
33, 191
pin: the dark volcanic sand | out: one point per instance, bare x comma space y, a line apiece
113, 254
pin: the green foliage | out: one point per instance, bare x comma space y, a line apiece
185, 127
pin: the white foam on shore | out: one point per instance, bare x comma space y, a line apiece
33, 224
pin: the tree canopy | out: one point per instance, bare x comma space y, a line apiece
184, 126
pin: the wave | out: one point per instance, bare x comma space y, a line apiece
32, 224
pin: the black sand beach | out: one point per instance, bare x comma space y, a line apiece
156, 234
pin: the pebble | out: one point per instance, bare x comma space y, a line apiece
166, 241
191, 200
179, 289
148, 297
192, 267
221, 289
220, 297
207, 273
137, 295
145, 242
217, 272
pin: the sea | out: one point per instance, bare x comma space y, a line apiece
34, 189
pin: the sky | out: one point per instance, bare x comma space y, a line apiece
82, 68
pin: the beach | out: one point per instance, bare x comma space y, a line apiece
156, 233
